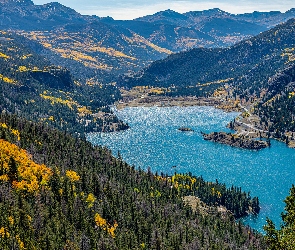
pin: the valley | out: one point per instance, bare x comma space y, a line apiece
103, 121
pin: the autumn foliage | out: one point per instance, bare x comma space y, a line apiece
102, 223
18, 168
84, 198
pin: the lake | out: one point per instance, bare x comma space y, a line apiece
154, 141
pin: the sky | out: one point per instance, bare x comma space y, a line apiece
130, 9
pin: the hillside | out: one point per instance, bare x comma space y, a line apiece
245, 66
97, 49
277, 108
25, 15
209, 28
95, 52
268, 19
34, 88
61, 192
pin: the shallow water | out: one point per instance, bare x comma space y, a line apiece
154, 141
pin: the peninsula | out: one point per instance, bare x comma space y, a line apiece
235, 140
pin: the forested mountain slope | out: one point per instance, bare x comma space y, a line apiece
60, 192
277, 108
209, 28
92, 50
34, 88
95, 52
25, 15
268, 19
98, 49
245, 66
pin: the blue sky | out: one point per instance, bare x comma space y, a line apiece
130, 9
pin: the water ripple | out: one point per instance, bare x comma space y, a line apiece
154, 141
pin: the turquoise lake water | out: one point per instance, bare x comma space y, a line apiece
154, 141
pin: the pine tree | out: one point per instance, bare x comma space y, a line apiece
283, 238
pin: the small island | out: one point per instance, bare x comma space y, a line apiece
236, 140
185, 129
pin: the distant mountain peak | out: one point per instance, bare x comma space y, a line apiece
166, 15
56, 5
169, 11
292, 10
207, 13
216, 10
18, 2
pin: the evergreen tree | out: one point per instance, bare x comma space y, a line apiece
283, 238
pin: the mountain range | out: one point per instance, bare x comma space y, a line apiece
252, 60
98, 49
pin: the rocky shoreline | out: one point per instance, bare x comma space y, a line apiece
235, 140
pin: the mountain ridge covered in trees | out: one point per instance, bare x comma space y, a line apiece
257, 58
58, 192
276, 109
97, 49
34, 88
